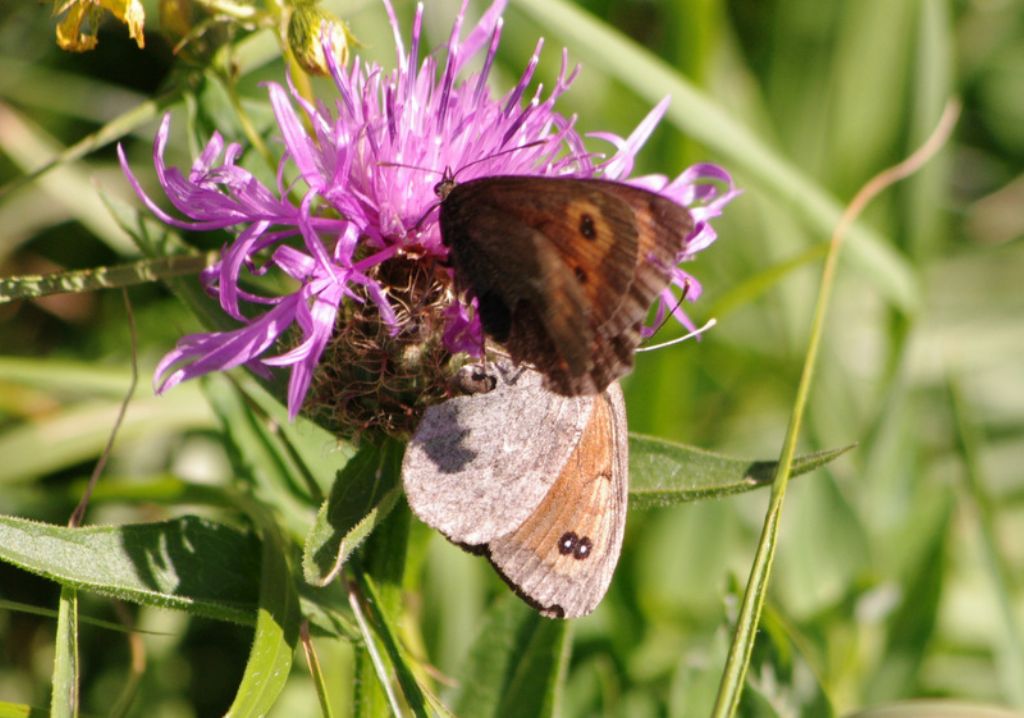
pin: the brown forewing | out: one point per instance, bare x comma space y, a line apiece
661, 225
564, 269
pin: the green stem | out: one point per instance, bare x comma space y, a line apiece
315, 670
998, 568
64, 700
28, 286
731, 686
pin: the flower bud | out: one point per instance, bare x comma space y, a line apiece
306, 29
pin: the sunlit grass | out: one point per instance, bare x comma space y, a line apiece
896, 565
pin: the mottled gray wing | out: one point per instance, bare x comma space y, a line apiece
478, 466
562, 558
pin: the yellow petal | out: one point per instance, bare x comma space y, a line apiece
132, 14
69, 30
72, 36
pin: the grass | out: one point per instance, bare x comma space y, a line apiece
896, 569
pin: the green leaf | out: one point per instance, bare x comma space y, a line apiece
64, 696
20, 710
871, 49
517, 664
114, 129
780, 662
316, 451
997, 564
911, 625
380, 573
823, 552
664, 472
277, 625
327, 612
384, 632
188, 563
64, 376
934, 708
363, 494
156, 240
29, 448
26, 145
163, 489
932, 83
259, 456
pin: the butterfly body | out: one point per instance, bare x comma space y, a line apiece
564, 270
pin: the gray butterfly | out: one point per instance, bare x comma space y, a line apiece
535, 481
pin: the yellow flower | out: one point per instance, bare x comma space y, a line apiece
73, 37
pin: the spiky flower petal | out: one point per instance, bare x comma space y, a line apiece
365, 182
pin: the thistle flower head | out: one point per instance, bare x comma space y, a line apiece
374, 319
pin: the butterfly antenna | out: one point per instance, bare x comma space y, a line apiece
408, 167
679, 340
506, 151
448, 176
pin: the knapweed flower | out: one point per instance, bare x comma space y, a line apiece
353, 221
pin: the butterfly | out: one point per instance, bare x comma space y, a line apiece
535, 481
564, 270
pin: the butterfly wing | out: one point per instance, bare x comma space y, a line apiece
565, 270
561, 559
479, 465
495, 228
660, 226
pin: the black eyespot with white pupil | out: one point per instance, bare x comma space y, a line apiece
578, 546
587, 228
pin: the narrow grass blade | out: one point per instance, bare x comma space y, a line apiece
64, 698
998, 567
277, 624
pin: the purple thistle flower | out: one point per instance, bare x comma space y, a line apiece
367, 195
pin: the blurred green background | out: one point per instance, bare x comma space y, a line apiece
899, 569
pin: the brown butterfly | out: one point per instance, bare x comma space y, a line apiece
564, 270
535, 481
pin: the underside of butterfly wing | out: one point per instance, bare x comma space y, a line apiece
478, 466
561, 559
